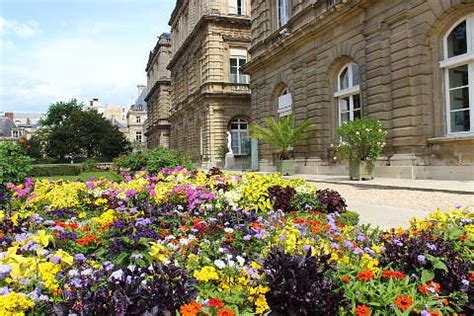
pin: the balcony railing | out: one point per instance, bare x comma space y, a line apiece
239, 79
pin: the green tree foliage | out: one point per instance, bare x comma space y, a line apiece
14, 163
282, 134
75, 132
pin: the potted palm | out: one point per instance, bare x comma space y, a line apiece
283, 134
361, 142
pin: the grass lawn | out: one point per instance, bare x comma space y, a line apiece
87, 175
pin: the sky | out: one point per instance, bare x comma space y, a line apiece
56, 50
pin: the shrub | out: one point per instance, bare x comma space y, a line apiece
14, 164
301, 284
361, 139
55, 170
305, 201
331, 201
281, 197
153, 161
349, 218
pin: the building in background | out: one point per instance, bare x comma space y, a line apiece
157, 126
116, 114
16, 125
136, 117
210, 95
408, 63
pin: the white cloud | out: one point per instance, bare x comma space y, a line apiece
20, 29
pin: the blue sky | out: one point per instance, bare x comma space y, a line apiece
53, 50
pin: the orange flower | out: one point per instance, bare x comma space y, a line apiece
433, 313
346, 279
393, 274
403, 302
191, 309
225, 312
86, 239
366, 275
471, 277
362, 310
215, 302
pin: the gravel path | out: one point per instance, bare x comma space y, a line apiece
394, 208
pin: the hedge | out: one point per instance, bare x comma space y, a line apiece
55, 170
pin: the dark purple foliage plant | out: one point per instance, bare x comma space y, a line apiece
331, 201
281, 197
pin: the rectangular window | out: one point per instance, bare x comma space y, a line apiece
237, 7
138, 137
238, 58
283, 15
201, 141
139, 119
240, 142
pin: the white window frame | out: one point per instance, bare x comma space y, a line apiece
349, 92
282, 12
285, 103
241, 147
201, 141
138, 137
234, 7
138, 119
456, 61
238, 55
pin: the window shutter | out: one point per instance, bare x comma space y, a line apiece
232, 6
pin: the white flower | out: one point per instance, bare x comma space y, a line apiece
219, 264
117, 275
231, 263
240, 260
357, 133
228, 230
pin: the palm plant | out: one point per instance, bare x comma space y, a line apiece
282, 133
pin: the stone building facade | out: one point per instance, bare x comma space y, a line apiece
408, 63
210, 94
158, 98
136, 118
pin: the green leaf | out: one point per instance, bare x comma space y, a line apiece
427, 276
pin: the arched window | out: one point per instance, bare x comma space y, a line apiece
239, 133
348, 93
458, 65
285, 103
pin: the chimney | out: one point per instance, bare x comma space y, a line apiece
95, 103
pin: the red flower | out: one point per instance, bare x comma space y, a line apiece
433, 313
346, 279
366, 275
362, 310
84, 241
393, 274
225, 312
215, 302
403, 302
471, 277
422, 289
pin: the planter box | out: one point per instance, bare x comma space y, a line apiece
286, 167
361, 170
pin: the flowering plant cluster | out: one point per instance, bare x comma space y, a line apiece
362, 139
190, 243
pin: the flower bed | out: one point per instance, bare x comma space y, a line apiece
221, 244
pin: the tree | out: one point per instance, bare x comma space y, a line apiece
282, 133
75, 132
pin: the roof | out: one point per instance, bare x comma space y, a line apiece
6, 126
140, 104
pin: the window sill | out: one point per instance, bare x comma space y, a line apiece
451, 138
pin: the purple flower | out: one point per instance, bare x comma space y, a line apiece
421, 258
247, 237
56, 260
79, 257
142, 222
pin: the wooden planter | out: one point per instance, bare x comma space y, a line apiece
361, 170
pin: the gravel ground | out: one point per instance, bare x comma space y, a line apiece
394, 208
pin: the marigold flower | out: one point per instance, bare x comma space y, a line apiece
362, 310
215, 302
191, 309
225, 312
393, 274
403, 302
366, 275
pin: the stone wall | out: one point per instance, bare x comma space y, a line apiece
398, 46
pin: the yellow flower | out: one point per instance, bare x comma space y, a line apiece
261, 304
15, 304
82, 215
158, 252
206, 274
105, 218
2, 215
42, 238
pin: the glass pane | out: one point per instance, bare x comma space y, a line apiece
457, 41
243, 125
357, 114
234, 139
344, 104
355, 75
458, 76
242, 61
345, 117
233, 70
460, 121
344, 79
234, 126
459, 98
233, 62
356, 100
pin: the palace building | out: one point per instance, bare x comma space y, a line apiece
210, 95
408, 63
